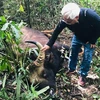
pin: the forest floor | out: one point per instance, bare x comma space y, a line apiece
67, 87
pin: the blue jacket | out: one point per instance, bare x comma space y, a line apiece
87, 30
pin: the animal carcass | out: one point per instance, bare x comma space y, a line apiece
44, 67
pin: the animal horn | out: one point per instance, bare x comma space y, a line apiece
40, 59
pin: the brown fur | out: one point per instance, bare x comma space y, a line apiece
32, 35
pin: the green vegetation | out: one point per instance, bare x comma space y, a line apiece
38, 14
12, 62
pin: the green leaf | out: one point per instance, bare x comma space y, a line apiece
21, 24
5, 26
21, 9
3, 95
3, 65
34, 92
18, 89
2, 35
43, 90
15, 30
4, 81
2, 19
33, 50
95, 96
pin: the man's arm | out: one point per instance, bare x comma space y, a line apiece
61, 25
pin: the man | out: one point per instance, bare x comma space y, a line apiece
85, 25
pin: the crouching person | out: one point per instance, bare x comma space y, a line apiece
85, 25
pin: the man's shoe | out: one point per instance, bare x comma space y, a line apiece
81, 81
70, 72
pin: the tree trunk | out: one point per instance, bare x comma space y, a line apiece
1, 7
27, 9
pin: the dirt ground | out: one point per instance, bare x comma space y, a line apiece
67, 87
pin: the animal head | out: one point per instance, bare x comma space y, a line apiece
44, 68
39, 72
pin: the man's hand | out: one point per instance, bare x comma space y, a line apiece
93, 45
46, 47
